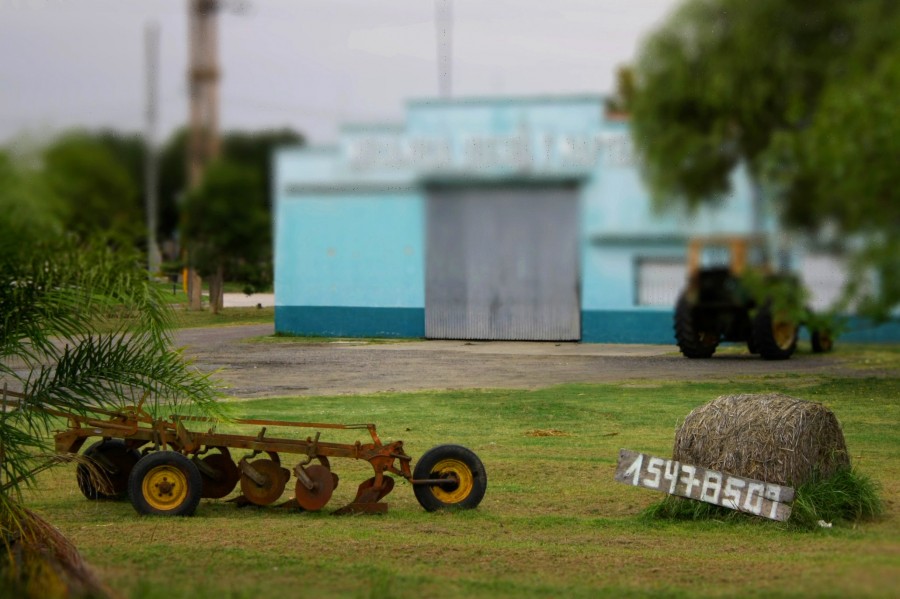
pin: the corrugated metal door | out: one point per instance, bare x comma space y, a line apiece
502, 263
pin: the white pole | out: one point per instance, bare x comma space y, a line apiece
151, 46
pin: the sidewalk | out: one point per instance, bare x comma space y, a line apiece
241, 300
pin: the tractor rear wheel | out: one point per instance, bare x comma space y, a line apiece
774, 335
463, 471
165, 483
693, 341
821, 341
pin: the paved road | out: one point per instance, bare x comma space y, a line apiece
252, 366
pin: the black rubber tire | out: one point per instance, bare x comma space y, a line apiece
187, 490
121, 457
692, 343
821, 341
764, 336
452, 457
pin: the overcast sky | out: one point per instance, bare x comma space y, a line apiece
307, 64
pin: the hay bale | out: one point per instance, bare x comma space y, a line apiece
770, 437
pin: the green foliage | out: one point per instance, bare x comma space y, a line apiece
248, 155
720, 78
226, 220
620, 102
98, 192
254, 150
26, 202
841, 169
172, 181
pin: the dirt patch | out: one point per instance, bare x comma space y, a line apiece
295, 367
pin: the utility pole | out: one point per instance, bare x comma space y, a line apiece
151, 46
443, 19
203, 86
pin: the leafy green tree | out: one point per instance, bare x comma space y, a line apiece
721, 77
226, 223
82, 329
172, 182
26, 201
252, 151
620, 102
97, 190
727, 83
842, 169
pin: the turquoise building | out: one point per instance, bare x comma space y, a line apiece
486, 218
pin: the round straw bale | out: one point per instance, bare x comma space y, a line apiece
770, 437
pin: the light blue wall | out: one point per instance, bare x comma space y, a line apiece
351, 250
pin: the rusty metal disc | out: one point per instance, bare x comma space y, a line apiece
276, 479
324, 461
226, 476
315, 498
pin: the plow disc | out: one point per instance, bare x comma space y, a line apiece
322, 483
220, 475
263, 481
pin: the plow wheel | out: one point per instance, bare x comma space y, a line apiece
323, 486
273, 481
165, 483
466, 480
220, 474
115, 461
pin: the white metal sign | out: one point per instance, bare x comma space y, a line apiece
763, 499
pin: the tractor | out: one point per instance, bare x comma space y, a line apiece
741, 299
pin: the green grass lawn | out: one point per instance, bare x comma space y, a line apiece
185, 318
552, 524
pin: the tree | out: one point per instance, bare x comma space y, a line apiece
253, 152
99, 193
172, 182
725, 83
82, 329
620, 102
842, 169
26, 201
226, 223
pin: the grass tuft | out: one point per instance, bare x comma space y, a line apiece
848, 496
682, 508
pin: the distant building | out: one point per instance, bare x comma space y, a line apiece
500, 218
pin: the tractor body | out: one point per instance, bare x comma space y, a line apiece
718, 305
